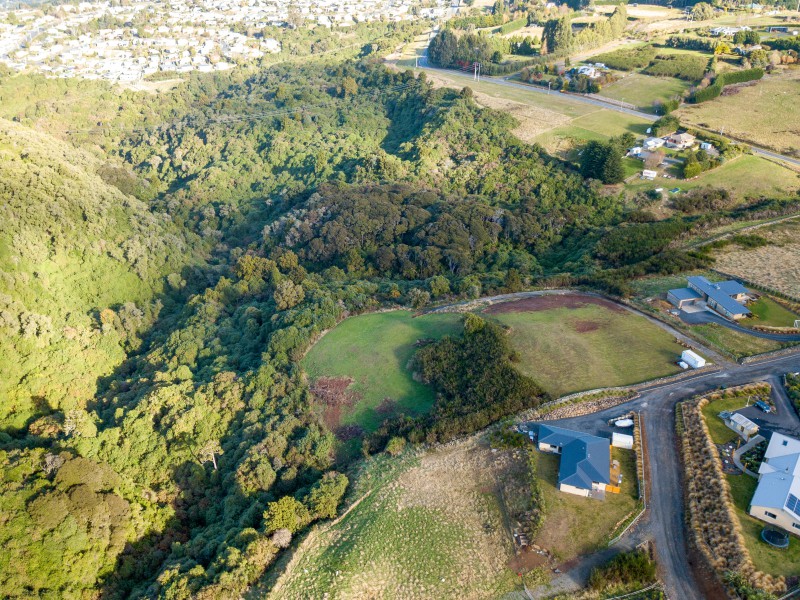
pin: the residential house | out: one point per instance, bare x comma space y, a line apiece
724, 297
777, 498
743, 426
652, 143
681, 141
585, 459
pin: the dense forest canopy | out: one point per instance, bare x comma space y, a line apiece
166, 260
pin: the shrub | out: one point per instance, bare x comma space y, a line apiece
682, 66
628, 59
633, 568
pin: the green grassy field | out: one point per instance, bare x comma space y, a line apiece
765, 558
768, 312
571, 349
574, 525
374, 351
763, 112
743, 176
598, 125
736, 344
643, 90
433, 528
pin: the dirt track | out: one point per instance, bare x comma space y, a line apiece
539, 303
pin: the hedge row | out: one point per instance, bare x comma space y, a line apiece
715, 89
513, 26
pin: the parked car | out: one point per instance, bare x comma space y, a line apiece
763, 406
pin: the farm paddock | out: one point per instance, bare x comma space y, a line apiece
574, 342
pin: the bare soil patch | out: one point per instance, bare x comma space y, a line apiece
549, 302
586, 326
334, 395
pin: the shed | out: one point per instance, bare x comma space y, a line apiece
693, 359
741, 425
622, 440
649, 175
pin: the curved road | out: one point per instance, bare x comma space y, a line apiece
423, 64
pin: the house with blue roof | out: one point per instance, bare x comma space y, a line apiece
585, 459
725, 297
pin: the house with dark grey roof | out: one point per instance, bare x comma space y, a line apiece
777, 497
585, 459
725, 297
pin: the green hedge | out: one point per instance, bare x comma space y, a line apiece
682, 66
627, 59
715, 89
513, 26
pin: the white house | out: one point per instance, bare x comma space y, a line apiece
652, 143
649, 174
777, 498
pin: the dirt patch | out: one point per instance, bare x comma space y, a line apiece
586, 326
550, 302
388, 408
335, 396
527, 560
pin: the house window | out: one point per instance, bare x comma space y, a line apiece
785, 442
770, 515
796, 525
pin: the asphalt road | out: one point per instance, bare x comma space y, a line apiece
657, 408
758, 150
706, 316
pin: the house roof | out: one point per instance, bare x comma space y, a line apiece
682, 137
731, 287
584, 458
718, 292
779, 480
685, 294
742, 421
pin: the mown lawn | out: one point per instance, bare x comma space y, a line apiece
765, 558
643, 90
574, 525
374, 350
571, 349
735, 343
721, 433
768, 312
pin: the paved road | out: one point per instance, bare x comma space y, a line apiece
666, 510
706, 316
423, 64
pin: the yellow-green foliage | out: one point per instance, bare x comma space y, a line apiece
80, 263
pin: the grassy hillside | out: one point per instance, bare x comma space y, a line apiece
81, 264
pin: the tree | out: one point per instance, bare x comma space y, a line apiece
282, 538
288, 294
603, 161
692, 167
443, 48
654, 159
439, 286
323, 499
702, 11
349, 87
286, 513
557, 36
209, 451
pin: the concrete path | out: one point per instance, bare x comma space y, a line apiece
737, 455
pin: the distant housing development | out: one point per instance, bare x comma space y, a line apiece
725, 297
777, 497
585, 460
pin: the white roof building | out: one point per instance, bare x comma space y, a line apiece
777, 498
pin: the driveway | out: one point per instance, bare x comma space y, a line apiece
707, 316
